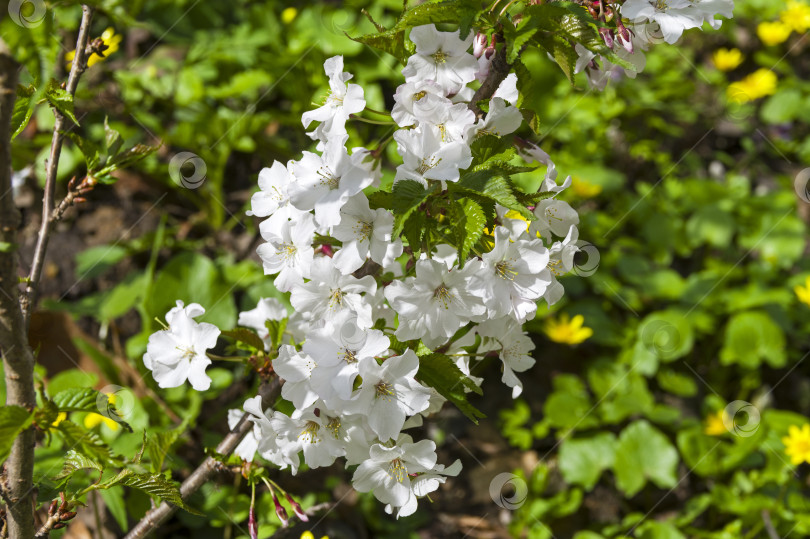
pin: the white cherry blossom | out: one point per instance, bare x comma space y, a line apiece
256, 319
364, 232
514, 347
427, 157
343, 100
441, 57
178, 353
288, 251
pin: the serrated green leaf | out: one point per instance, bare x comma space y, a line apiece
158, 446
493, 184
245, 336
88, 148
470, 222
75, 461
23, 109
380, 199
517, 36
408, 195
441, 373
85, 442
61, 100
79, 399
13, 420
155, 485
112, 139
561, 50
413, 230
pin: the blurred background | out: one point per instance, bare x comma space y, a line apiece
667, 379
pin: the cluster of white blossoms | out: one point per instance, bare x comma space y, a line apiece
648, 22
354, 388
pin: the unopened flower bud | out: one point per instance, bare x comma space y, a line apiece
297, 508
281, 513
479, 44
607, 35
253, 524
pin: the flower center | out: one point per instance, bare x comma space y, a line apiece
335, 298
556, 267
188, 352
288, 251
397, 470
444, 295
335, 100
419, 95
334, 426
384, 389
427, 164
349, 356
328, 178
661, 5
440, 57
504, 270
310, 432
363, 230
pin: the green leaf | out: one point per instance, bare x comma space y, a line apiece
470, 222
94, 261
88, 400
89, 150
85, 442
643, 453
155, 485
23, 109
245, 336
752, 337
408, 195
13, 420
517, 36
441, 373
494, 184
75, 461
447, 11
158, 446
666, 334
561, 50
112, 139
114, 500
276, 331
61, 100
582, 460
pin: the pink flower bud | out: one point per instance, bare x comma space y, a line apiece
253, 525
297, 508
281, 513
607, 35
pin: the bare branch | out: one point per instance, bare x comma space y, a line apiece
498, 70
29, 299
157, 516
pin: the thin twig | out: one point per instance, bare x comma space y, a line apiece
498, 70
29, 299
766, 518
157, 516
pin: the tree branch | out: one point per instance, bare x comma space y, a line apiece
498, 70
29, 299
18, 361
157, 516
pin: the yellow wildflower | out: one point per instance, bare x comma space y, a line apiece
567, 330
93, 420
715, 424
797, 16
758, 84
797, 444
288, 15
308, 535
59, 418
727, 59
773, 33
109, 38
585, 189
803, 292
